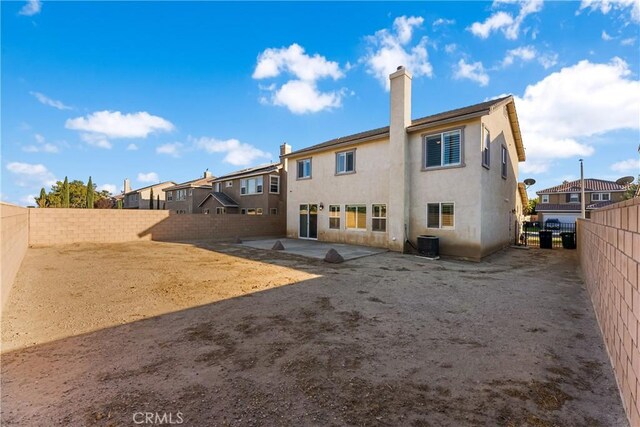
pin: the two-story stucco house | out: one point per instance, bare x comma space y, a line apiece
564, 202
452, 175
140, 197
185, 198
254, 191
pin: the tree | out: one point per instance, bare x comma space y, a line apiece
42, 201
105, 203
531, 207
119, 203
158, 202
90, 194
65, 193
76, 192
151, 199
632, 190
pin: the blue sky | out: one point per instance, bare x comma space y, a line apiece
163, 90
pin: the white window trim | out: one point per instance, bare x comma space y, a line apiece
310, 168
345, 152
601, 197
221, 210
504, 161
441, 133
571, 198
357, 205
278, 178
544, 198
440, 226
379, 217
485, 144
228, 184
244, 183
339, 217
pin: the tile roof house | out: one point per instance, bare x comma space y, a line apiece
453, 175
185, 197
563, 202
140, 197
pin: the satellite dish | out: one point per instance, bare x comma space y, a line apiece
625, 180
529, 182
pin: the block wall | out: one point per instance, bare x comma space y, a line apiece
14, 240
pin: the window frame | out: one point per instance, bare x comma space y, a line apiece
504, 161
273, 211
205, 211
357, 227
169, 196
440, 226
601, 197
221, 210
379, 218
485, 152
344, 153
244, 185
544, 198
332, 216
571, 197
426, 136
228, 184
217, 187
277, 177
309, 159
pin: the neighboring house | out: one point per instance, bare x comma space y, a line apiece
185, 198
563, 202
453, 175
139, 198
255, 191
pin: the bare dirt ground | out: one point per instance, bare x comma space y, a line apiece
218, 334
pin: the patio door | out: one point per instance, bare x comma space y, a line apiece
308, 221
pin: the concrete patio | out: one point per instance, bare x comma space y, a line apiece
315, 249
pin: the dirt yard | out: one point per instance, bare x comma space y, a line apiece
218, 334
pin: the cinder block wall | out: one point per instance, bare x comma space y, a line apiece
61, 226
609, 250
14, 240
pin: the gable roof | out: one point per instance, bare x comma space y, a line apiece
198, 182
222, 198
149, 186
257, 170
590, 184
458, 114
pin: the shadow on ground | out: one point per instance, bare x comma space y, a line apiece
382, 340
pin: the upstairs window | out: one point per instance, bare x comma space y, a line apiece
600, 197
274, 184
544, 198
169, 196
504, 161
443, 149
251, 186
574, 198
181, 195
346, 162
304, 169
486, 148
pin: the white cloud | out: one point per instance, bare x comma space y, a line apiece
28, 200
390, 49
44, 99
132, 147
42, 146
548, 60
300, 94
450, 48
171, 149
28, 174
99, 127
524, 53
150, 177
111, 188
443, 22
606, 6
474, 71
504, 21
605, 36
630, 165
32, 7
237, 153
559, 113
628, 42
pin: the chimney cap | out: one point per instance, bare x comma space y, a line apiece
400, 67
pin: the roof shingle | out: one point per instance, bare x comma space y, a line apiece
590, 184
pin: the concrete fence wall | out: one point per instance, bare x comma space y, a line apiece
609, 250
14, 240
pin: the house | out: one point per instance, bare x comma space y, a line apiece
185, 198
563, 202
453, 175
140, 198
259, 190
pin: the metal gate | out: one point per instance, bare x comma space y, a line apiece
530, 235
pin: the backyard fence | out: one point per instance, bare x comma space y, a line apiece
549, 234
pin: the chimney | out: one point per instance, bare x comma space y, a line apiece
207, 174
285, 149
127, 185
399, 188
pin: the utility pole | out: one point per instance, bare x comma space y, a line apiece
582, 201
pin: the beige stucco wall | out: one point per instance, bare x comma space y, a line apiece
368, 185
14, 241
498, 196
609, 250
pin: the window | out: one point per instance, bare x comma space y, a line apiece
243, 211
181, 211
228, 184
379, 217
221, 211
443, 149
574, 197
440, 215
503, 164
181, 195
334, 217
545, 198
273, 211
274, 184
217, 187
486, 148
345, 162
169, 196
252, 211
600, 197
205, 211
251, 186
190, 192
356, 216
304, 169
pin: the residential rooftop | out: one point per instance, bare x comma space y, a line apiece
590, 184
248, 171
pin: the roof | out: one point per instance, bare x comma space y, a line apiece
524, 197
149, 186
569, 207
198, 182
430, 121
258, 170
600, 204
590, 184
222, 198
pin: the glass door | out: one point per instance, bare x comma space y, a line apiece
308, 221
